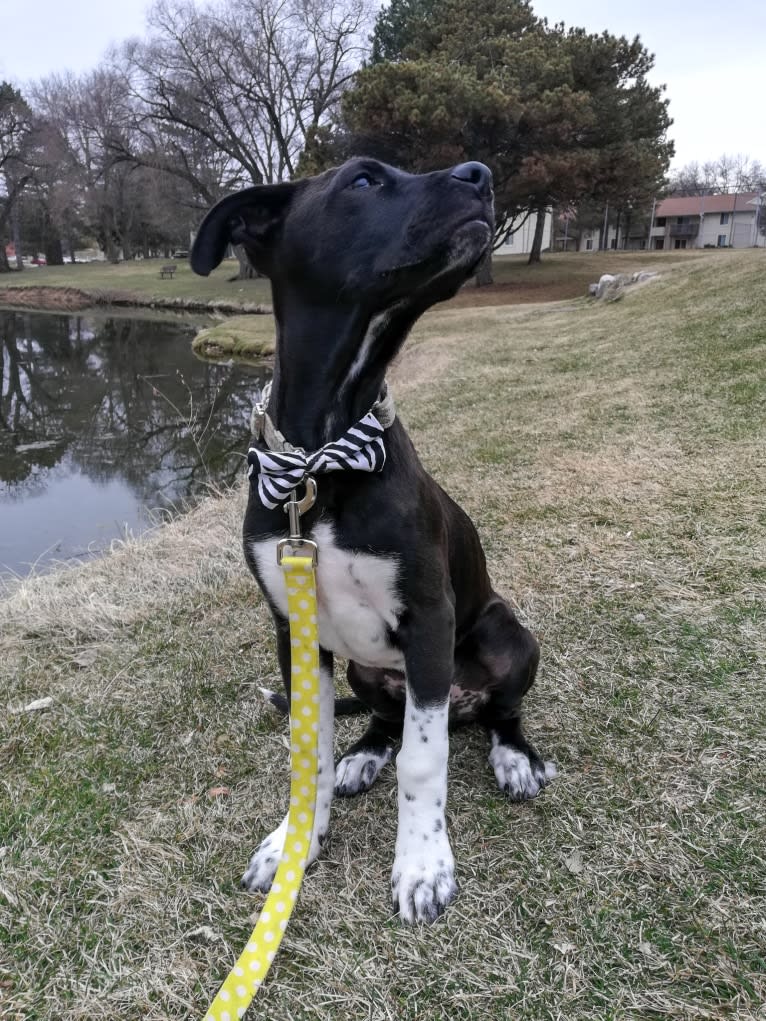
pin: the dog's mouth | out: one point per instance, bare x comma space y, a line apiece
466, 246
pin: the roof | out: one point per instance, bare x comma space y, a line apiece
694, 205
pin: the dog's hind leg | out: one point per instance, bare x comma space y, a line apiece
263, 864
360, 766
509, 654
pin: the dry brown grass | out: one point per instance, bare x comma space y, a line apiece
613, 458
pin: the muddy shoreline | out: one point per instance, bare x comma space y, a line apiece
73, 299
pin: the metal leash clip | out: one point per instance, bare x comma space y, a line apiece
295, 545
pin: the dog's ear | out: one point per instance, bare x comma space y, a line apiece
249, 218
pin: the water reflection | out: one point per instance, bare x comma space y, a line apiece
102, 419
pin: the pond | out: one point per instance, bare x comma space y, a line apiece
104, 421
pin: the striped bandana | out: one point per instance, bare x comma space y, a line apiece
279, 472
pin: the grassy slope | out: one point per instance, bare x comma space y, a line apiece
613, 458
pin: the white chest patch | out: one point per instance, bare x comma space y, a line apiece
357, 598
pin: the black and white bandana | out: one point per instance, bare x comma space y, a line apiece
360, 448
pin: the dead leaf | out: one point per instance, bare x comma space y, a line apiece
36, 706
574, 863
85, 658
218, 792
564, 948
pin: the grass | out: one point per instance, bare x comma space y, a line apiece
558, 276
141, 279
242, 337
613, 459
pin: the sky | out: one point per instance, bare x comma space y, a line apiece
709, 54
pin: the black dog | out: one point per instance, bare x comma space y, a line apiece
355, 255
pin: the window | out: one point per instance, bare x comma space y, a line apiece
613, 244
722, 241
589, 244
660, 221
680, 243
659, 244
724, 219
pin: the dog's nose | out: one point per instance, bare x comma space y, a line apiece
474, 173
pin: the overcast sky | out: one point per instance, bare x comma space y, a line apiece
710, 55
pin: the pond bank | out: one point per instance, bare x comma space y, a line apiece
73, 299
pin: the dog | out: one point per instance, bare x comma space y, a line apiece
355, 255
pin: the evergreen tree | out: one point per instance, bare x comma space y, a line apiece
557, 114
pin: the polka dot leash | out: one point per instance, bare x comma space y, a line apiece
247, 975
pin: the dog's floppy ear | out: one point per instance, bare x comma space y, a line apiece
248, 218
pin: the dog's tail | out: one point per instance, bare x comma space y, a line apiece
343, 706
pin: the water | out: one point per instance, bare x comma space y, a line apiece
103, 421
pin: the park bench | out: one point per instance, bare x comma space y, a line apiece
167, 271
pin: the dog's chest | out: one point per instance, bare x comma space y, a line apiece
357, 598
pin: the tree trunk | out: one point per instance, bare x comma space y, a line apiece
54, 253
246, 271
626, 231
537, 241
484, 272
4, 267
17, 238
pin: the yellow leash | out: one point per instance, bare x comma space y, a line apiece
298, 560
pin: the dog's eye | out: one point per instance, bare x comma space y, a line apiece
362, 181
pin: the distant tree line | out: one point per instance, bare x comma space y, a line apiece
721, 176
129, 155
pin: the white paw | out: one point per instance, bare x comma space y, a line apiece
517, 775
423, 884
356, 773
263, 865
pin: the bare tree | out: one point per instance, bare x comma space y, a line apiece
228, 94
16, 142
252, 77
719, 176
91, 118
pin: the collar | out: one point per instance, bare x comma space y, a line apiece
264, 429
279, 469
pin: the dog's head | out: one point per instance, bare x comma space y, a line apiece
363, 232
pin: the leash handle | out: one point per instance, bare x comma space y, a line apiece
247, 975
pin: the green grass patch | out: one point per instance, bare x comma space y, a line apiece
247, 338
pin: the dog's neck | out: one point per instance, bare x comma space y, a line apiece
329, 366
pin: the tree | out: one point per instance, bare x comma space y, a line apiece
557, 114
719, 176
398, 26
86, 116
227, 94
16, 139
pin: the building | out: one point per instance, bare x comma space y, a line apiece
700, 221
520, 242
708, 221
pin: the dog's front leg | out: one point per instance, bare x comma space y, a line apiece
263, 864
423, 877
